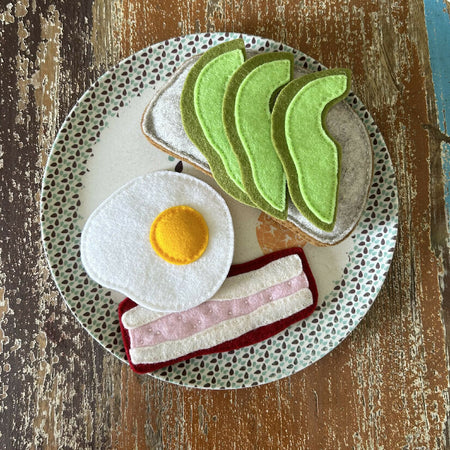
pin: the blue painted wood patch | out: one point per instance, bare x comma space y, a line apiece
437, 16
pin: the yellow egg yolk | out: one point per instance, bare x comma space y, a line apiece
179, 235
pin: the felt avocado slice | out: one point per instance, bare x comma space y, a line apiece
201, 112
247, 119
310, 156
209, 91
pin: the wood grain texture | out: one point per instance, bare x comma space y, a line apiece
384, 387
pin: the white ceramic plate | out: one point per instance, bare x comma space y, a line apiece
100, 147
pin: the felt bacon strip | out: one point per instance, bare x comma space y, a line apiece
258, 299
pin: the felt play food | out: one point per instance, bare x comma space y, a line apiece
310, 155
201, 112
165, 240
247, 120
257, 300
162, 125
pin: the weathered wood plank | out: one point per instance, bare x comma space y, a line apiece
49, 373
385, 386
437, 15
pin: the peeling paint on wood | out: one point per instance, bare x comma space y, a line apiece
384, 386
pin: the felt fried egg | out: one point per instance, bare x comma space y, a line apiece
165, 240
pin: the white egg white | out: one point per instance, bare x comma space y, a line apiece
116, 251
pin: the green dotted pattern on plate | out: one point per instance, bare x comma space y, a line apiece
286, 353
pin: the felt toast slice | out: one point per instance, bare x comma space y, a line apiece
162, 125
153, 341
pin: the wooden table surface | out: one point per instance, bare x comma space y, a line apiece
385, 386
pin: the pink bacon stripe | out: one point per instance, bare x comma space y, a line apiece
187, 323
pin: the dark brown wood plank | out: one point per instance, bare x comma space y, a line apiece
49, 364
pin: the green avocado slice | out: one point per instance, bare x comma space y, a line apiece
209, 91
310, 156
201, 113
247, 119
